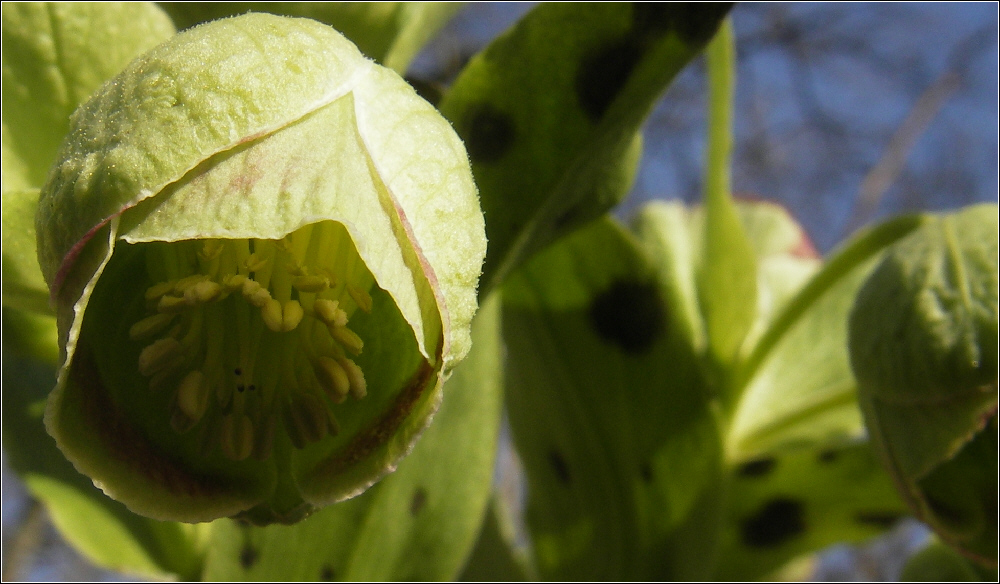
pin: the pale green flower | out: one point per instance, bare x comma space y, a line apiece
263, 249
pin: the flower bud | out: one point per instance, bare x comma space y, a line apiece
923, 343
263, 250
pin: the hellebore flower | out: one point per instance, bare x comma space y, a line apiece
923, 341
263, 250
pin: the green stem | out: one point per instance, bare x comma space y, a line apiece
727, 274
720, 56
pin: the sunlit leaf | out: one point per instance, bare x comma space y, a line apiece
784, 505
54, 56
23, 285
609, 412
798, 388
551, 126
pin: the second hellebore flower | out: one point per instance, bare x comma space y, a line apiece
263, 250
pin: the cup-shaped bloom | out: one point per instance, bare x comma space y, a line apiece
923, 342
263, 250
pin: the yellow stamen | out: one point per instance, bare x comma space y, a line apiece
311, 284
236, 436
202, 292
271, 313
255, 262
333, 379
291, 315
171, 304
154, 292
159, 356
348, 338
192, 395
359, 388
361, 297
329, 312
149, 326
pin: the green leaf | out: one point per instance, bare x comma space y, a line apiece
785, 258
419, 523
672, 234
796, 385
549, 124
102, 530
796, 502
392, 33
23, 285
940, 563
291, 171
923, 342
494, 559
609, 412
673, 245
54, 56
727, 274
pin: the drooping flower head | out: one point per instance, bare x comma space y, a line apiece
263, 250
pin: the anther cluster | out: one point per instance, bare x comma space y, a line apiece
252, 335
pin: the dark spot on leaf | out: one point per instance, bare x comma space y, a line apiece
827, 456
252, 387
240, 388
758, 467
326, 573
426, 89
238, 371
604, 73
418, 501
696, 22
646, 472
248, 556
559, 467
488, 134
778, 521
882, 519
629, 314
